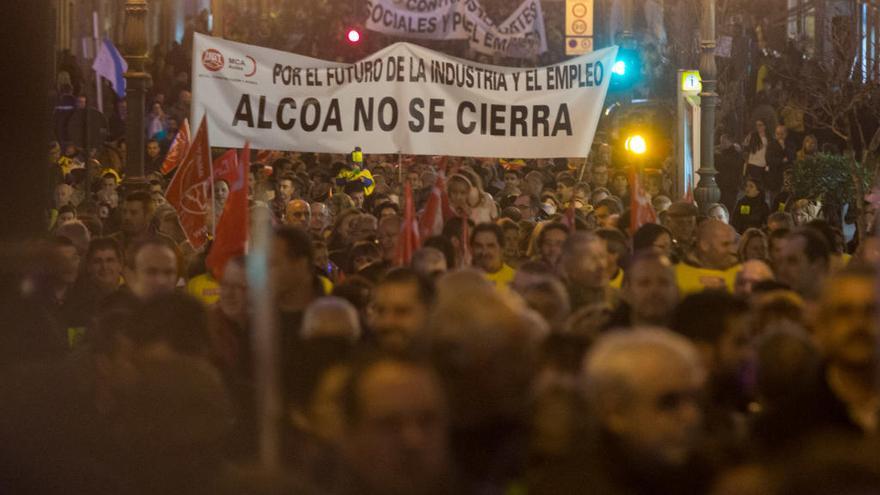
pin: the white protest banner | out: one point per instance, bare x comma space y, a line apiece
520, 35
402, 99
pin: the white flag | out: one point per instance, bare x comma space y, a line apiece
110, 65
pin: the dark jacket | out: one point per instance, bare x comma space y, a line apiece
729, 163
779, 158
814, 409
749, 212
602, 467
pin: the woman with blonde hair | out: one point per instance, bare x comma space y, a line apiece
482, 206
809, 147
466, 197
804, 211
752, 246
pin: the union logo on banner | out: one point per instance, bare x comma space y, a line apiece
190, 189
212, 59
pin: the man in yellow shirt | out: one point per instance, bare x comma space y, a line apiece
712, 264
487, 244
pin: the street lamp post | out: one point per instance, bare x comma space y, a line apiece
136, 80
707, 191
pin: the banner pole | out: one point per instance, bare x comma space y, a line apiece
583, 169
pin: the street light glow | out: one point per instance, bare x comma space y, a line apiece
636, 145
353, 36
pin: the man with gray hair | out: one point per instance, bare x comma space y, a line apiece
320, 218
643, 386
331, 317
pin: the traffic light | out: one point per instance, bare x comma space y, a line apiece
636, 144
627, 69
353, 36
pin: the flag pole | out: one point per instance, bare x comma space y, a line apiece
583, 169
265, 350
213, 197
95, 34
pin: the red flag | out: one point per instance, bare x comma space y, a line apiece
268, 156
263, 155
640, 210
408, 239
178, 149
190, 190
232, 228
434, 214
226, 167
512, 164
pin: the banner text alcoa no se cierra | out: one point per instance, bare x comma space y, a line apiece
367, 113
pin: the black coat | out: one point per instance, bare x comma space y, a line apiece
749, 212
729, 164
779, 158
812, 409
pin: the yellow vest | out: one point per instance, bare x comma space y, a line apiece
617, 281
503, 277
692, 279
358, 174
326, 285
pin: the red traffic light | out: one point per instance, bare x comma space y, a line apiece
353, 36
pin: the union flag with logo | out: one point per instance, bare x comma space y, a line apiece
230, 239
226, 168
178, 148
190, 190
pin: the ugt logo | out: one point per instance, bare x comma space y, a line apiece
196, 199
212, 59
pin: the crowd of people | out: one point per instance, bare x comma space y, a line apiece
446, 325
533, 343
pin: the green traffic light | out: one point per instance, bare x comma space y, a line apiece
626, 70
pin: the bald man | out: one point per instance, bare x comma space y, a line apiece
712, 264
298, 214
331, 317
